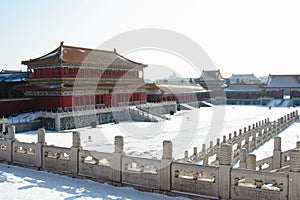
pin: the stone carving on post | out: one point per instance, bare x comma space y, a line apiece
251, 162
74, 156
254, 141
224, 138
226, 154
76, 139
224, 171
294, 174
243, 159
276, 160
39, 148
11, 134
117, 159
195, 152
167, 150
186, 156
247, 141
10, 139
205, 160
165, 168
119, 144
41, 135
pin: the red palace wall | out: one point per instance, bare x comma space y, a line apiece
10, 106
54, 102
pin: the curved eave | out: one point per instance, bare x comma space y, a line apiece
85, 65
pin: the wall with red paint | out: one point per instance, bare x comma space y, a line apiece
10, 106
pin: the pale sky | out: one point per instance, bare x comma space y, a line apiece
260, 37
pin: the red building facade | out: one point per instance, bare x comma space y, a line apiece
74, 77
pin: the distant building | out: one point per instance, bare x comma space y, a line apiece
243, 79
174, 78
9, 80
74, 77
11, 100
279, 86
243, 93
180, 92
211, 80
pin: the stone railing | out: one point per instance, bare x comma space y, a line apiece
159, 109
162, 175
250, 139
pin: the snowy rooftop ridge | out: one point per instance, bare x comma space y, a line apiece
12, 76
283, 81
82, 56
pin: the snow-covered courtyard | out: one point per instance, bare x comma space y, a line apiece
186, 129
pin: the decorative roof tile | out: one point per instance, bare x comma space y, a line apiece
82, 56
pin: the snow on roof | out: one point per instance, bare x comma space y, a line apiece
179, 88
13, 77
243, 88
82, 56
283, 81
211, 75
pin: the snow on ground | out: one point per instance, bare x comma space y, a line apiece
289, 137
25, 117
22, 183
186, 129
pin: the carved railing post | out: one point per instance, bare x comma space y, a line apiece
251, 162
165, 168
74, 157
243, 159
276, 160
117, 159
294, 174
39, 148
10, 139
224, 171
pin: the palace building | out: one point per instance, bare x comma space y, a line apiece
71, 78
180, 92
283, 86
